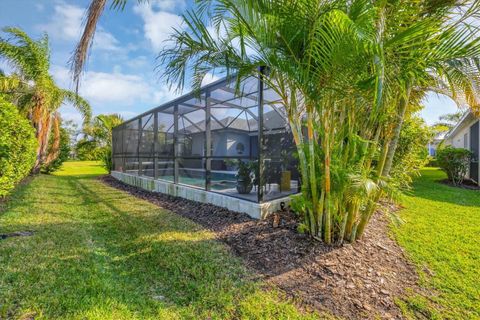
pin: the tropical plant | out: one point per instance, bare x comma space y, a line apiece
17, 147
447, 121
61, 154
244, 177
97, 144
87, 150
32, 89
455, 163
348, 72
411, 154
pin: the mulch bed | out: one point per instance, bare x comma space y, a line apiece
467, 184
358, 281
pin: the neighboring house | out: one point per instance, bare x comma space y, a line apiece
466, 135
433, 145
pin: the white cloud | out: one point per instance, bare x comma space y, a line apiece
101, 87
138, 62
66, 24
114, 90
68, 112
159, 20
105, 41
127, 114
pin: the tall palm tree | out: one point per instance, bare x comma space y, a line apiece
33, 89
357, 66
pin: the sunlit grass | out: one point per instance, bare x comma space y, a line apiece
99, 253
441, 234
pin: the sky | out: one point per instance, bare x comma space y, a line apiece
120, 76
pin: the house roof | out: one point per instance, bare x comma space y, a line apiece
467, 117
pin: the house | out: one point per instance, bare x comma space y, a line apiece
195, 145
433, 145
466, 135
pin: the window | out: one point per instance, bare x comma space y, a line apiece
465, 140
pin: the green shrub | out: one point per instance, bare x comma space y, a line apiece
88, 150
455, 163
411, 154
106, 159
17, 147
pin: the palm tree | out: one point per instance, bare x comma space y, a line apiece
351, 69
33, 89
99, 133
101, 128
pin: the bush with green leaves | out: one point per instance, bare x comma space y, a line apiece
17, 147
87, 150
455, 163
411, 154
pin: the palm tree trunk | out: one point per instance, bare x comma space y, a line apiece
313, 177
52, 154
326, 144
396, 133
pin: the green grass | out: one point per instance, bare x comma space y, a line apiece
441, 234
98, 253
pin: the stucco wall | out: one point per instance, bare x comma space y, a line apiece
224, 143
457, 140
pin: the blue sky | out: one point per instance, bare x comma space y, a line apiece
120, 76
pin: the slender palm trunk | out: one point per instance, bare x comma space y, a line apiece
312, 171
403, 104
52, 153
327, 184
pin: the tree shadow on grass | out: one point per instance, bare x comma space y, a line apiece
118, 259
346, 280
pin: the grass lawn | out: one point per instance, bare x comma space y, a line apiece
441, 234
98, 253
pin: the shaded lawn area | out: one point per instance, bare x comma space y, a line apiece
441, 234
99, 253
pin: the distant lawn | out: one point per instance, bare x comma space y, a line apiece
442, 236
99, 253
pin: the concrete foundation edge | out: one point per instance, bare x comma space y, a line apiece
254, 210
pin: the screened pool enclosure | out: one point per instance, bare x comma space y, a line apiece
238, 145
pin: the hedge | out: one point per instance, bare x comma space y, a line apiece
17, 147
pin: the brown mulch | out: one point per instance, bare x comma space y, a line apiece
358, 281
466, 184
